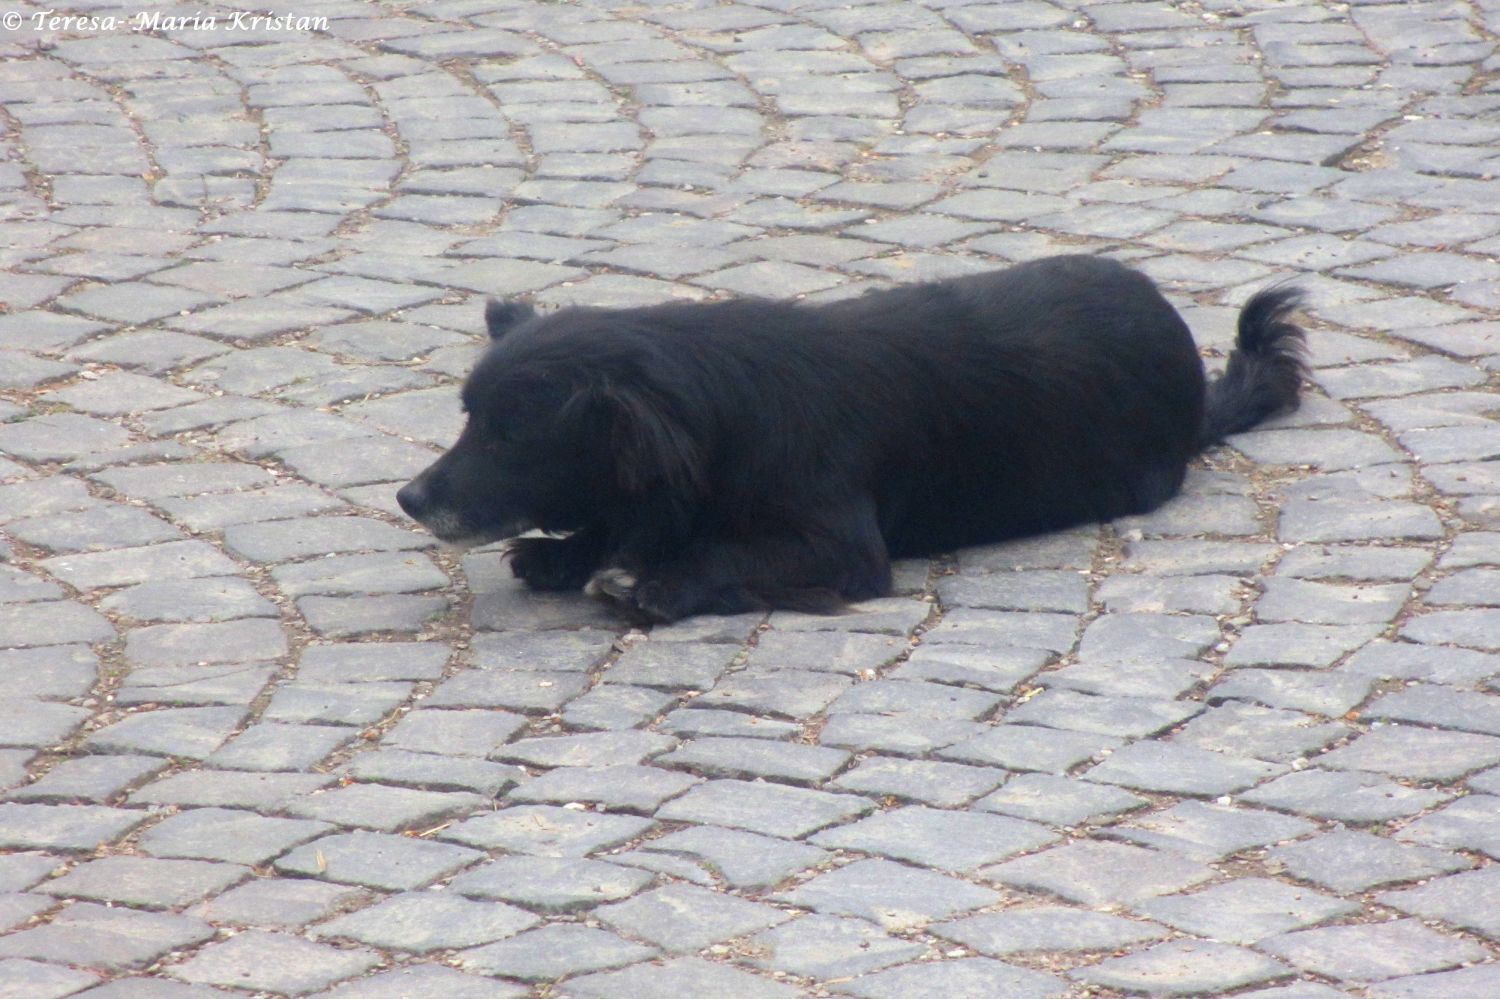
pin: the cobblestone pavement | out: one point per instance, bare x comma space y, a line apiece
259, 736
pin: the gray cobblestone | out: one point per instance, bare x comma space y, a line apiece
1478, 629
1354, 861
88, 779
281, 540
229, 789
1388, 660
1125, 717
1467, 823
790, 693
220, 510
271, 961
190, 600
376, 860
1210, 832
142, 882
1373, 951
932, 700
454, 732
1180, 769
193, 733
1185, 967
430, 771
190, 685
39, 723
205, 643
683, 976
1058, 801
335, 703
829, 947
547, 884
1297, 644
1330, 694
423, 979
938, 838
713, 916
772, 809
76, 828
13, 766
102, 526
1135, 679
555, 951
837, 652
1414, 752
590, 749
1037, 590
389, 809
618, 788
1265, 733
891, 895
617, 707
742, 859
43, 980
229, 835
57, 671
274, 746
548, 831
671, 665
758, 758
1242, 912
1439, 706
113, 938
895, 733
22, 870
359, 617
1046, 928
1347, 796
1465, 900
1027, 747
1461, 984
975, 975
932, 782
966, 627
1095, 873
999, 669
1147, 636
420, 922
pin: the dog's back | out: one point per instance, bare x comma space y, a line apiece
1052, 393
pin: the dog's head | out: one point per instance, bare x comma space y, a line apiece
566, 417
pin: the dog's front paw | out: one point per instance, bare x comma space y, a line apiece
549, 563
643, 599
614, 584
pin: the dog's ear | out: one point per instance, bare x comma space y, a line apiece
501, 317
650, 445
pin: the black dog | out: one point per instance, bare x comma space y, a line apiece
728, 456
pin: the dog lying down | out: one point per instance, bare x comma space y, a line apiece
730, 456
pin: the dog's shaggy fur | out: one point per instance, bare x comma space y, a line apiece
728, 456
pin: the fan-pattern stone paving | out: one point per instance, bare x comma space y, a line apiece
260, 736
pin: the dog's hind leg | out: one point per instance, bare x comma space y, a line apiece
837, 557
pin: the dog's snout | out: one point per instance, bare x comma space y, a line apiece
414, 498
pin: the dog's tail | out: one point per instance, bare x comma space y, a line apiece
1265, 369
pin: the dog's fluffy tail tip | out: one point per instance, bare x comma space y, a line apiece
1264, 323
1264, 374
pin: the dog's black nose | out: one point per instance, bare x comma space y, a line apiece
413, 498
